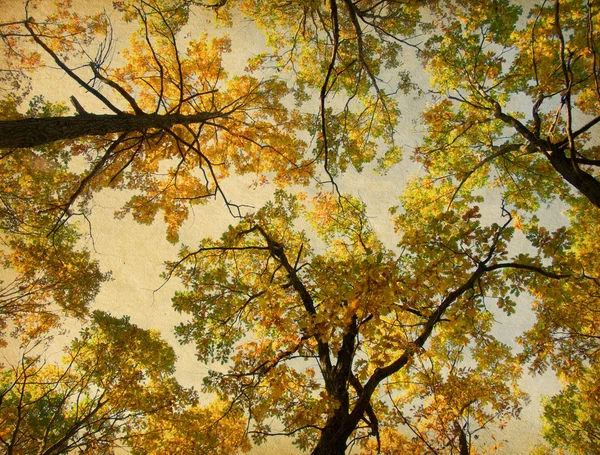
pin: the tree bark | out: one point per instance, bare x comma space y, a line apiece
334, 436
463, 443
340, 426
584, 182
32, 132
329, 447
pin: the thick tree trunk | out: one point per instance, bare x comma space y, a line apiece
334, 437
584, 182
32, 132
340, 426
331, 447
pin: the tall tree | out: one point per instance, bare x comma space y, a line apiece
113, 377
172, 102
367, 321
516, 104
397, 341
45, 276
171, 105
517, 108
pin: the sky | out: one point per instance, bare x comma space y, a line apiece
136, 253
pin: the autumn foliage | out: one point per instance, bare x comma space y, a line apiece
312, 322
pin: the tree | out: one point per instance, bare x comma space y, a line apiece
113, 377
484, 63
361, 316
571, 417
51, 274
171, 101
398, 342
516, 109
173, 108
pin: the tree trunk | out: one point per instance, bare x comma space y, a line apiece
463, 443
325, 447
334, 436
339, 426
584, 182
32, 132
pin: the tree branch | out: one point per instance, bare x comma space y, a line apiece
67, 70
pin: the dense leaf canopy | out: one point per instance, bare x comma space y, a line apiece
313, 324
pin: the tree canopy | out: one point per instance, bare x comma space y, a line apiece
313, 325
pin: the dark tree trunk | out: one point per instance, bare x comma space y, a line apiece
329, 447
584, 182
340, 426
32, 132
463, 443
334, 437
